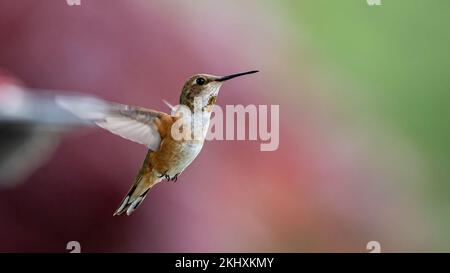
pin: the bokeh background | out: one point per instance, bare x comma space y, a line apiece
364, 125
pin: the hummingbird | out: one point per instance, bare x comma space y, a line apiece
167, 156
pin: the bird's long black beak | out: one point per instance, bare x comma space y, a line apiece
225, 78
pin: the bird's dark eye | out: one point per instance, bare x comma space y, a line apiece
200, 81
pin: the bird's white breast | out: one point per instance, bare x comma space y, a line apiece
188, 150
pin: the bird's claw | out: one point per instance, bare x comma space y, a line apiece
165, 176
168, 178
175, 178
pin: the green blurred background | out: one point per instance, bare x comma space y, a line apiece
393, 65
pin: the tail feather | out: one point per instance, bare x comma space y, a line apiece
145, 180
135, 196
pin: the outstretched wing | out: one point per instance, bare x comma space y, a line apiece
134, 123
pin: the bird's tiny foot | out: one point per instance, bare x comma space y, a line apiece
163, 174
175, 178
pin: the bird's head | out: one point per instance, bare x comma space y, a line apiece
206, 88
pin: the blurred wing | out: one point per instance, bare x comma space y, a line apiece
133, 123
